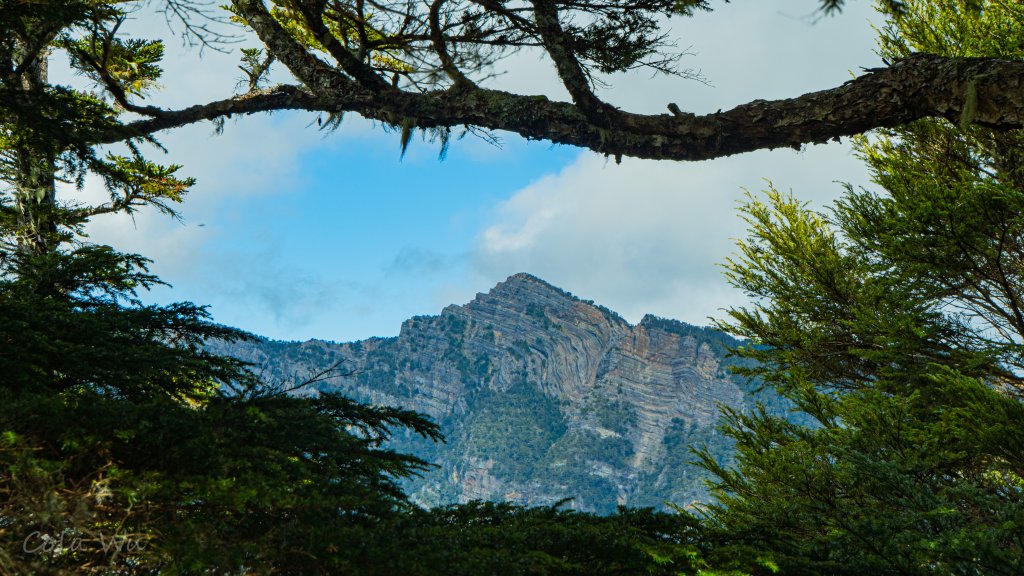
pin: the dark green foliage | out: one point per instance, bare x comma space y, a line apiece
925, 482
114, 423
121, 434
273, 481
895, 324
577, 461
536, 311
513, 427
615, 415
721, 342
501, 539
686, 483
65, 328
453, 324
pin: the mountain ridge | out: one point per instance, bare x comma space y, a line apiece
541, 394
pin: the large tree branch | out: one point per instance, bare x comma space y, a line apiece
437, 39
312, 13
284, 97
309, 69
987, 92
569, 69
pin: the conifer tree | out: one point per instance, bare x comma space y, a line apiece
895, 322
125, 446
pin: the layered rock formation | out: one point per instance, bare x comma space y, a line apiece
542, 396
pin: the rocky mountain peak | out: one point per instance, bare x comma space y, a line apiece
528, 296
648, 320
541, 395
522, 289
525, 278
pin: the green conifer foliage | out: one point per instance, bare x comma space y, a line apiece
895, 322
126, 447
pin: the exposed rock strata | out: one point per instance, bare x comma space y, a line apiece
542, 396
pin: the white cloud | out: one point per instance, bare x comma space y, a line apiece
640, 237
255, 156
645, 236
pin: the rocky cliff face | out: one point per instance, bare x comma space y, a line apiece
542, 396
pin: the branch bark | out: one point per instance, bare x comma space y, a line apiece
459, 79
358, 70
34, 162
982, 91
568, 66
309, 69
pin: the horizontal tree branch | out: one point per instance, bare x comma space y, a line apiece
982, 91
284, 97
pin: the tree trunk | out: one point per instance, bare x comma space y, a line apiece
35, 168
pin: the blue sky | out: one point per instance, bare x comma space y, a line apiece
293, 233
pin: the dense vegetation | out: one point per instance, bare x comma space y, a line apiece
128, 448
895, 322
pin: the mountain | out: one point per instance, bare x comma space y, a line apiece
541, 395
